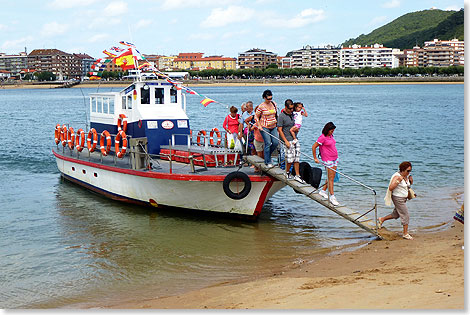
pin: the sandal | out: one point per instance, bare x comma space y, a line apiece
407, 236
379, 224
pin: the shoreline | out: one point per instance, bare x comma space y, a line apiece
254, 82
424, 273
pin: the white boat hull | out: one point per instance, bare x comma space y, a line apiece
199, 192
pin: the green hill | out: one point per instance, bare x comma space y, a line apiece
415, 28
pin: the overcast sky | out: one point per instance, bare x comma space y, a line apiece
213, 27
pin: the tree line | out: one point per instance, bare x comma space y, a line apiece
272, 72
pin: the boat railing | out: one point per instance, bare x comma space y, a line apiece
352, 180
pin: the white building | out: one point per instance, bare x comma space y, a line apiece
321, 57
374, 56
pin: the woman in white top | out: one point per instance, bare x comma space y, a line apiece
398, 193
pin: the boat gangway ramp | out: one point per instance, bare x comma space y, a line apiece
361, 220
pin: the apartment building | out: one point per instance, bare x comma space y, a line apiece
256, 58
320, 57
12, 65
197, 61
62, 64
86, 63
436, 53
166, 62
374, 56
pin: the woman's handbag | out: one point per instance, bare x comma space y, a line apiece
411, 193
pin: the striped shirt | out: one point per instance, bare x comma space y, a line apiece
267, 117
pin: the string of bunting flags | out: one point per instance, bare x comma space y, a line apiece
128, 59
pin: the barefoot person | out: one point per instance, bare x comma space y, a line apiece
398, 193
329, 156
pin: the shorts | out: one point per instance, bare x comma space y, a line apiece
331, 163
259, 146
292, 154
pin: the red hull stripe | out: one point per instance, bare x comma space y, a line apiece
262, 198
185, 177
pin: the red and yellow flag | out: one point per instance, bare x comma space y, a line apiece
126, 60
207, 101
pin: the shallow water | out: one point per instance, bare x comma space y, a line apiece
61, 245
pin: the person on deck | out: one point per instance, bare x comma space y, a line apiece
266, 119
232, 124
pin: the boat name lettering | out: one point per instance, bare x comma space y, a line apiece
182, 123
152, 124
167, 124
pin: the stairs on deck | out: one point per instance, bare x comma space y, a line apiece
308, 190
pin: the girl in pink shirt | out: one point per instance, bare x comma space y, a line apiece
329, 156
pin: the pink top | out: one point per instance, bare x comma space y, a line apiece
231, 123
328, 150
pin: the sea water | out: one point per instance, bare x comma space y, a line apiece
63, 246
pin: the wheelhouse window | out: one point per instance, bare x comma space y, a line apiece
159, 95
145, 95
173, 95
129, 101
124, 102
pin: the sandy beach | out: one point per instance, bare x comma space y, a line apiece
424, 273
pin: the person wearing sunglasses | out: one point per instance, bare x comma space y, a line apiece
266, 120
398, 193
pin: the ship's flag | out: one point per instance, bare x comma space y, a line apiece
127, 44
109, 54
126, 60
207, 101
116, 49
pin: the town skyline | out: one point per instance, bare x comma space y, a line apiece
223, 27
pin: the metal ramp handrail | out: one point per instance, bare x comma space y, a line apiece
374, 208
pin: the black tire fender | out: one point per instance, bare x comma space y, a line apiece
237, 175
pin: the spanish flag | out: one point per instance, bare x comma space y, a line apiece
207, 101
125, 60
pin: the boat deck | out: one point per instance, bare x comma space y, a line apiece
157, 165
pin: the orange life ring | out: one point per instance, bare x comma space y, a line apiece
218, 134
71, 138
57, 134
63, 135
201, 132
80, 140
122, 120
120, 152
92, 147
105, 150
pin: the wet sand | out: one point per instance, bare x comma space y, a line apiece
424, 273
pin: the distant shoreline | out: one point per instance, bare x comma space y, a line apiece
257, 82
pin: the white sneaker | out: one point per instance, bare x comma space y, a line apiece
295, 141
323, 194
269, 165
333, 200
300, 180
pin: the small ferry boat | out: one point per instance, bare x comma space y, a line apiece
139, 148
